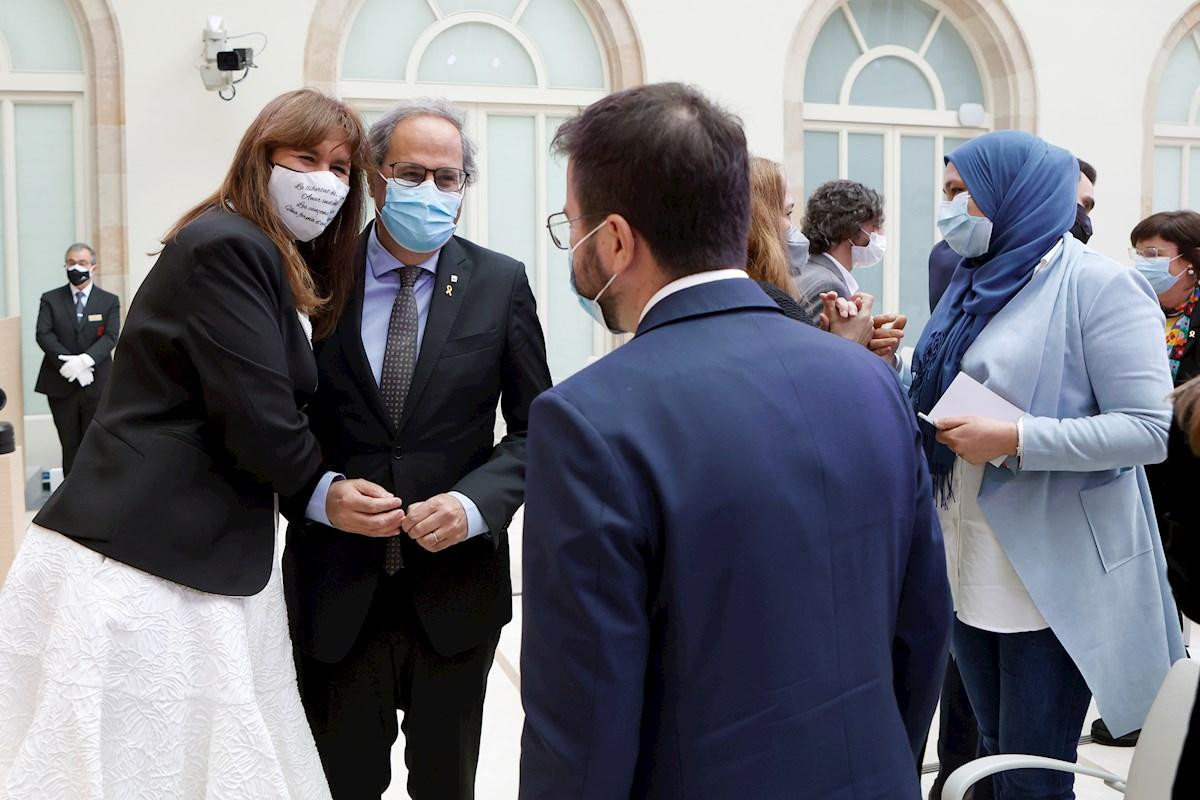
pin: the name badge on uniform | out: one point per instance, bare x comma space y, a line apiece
95, 317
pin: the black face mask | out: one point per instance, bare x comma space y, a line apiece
78, 277
1082, 229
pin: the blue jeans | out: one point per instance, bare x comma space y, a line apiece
1029, 698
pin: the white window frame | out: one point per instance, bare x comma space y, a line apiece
34, 92
1173, 134
479, 101
893, 123
892, 163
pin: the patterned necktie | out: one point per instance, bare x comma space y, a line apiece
399, 361
79, 308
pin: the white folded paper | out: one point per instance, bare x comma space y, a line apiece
967, 397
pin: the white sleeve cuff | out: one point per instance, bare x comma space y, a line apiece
1020, 441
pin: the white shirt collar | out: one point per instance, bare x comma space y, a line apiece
87, 293
851, 282
688, 282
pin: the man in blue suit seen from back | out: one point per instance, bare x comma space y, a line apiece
734, 582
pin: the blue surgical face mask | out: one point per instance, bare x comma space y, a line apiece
1157, 272
967, 235
420, 218
797, 247
590, 305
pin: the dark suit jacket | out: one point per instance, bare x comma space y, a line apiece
723, 598
482, 346
200, 425
790, 308
1179, 517
942, 263
58, 334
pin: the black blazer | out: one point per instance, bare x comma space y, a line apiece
58, 334
790, 308
482, 346
200, 425
1181, 541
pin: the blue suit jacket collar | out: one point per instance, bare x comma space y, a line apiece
708, 298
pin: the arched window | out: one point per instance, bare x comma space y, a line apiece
518, 68
882, 89
1174, 105
44, 167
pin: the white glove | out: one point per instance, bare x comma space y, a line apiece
86, 377
88, 361
72, 366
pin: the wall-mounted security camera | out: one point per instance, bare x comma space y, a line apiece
220, 64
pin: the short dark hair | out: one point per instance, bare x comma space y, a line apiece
1180, 228
836, 210
673, 164
1088, 170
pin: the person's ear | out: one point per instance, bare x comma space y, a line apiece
620, 243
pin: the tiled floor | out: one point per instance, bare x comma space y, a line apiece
1112, 759
502, 720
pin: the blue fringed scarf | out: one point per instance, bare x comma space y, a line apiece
1028, 189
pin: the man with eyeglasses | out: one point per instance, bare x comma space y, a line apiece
436, 333
722, 598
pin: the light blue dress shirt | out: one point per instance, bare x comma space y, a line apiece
379, 294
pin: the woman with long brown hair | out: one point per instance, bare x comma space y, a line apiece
766, 257
144, 648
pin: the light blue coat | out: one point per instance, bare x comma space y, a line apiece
1080, 348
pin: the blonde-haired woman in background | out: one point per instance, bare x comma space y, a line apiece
766, 253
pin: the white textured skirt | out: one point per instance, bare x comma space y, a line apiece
119, 685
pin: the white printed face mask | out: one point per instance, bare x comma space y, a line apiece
306, 202
870, 254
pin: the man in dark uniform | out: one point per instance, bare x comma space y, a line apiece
77, 328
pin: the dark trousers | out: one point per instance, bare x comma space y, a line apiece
958, 735
352, 705
1028, 697
72, 415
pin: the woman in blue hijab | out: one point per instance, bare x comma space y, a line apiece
1055, 562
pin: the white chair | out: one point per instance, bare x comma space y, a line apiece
1155, 761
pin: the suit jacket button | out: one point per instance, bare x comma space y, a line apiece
397, 453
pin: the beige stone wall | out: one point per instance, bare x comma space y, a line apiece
106, 113
12, 469
10, 375
12, 508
